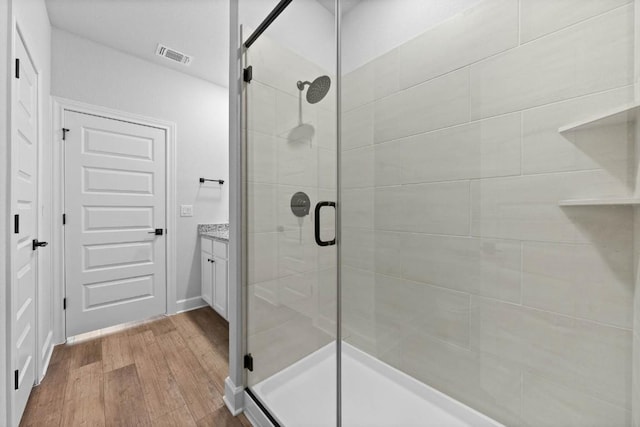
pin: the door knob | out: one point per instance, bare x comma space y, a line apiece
35, 244
157, 232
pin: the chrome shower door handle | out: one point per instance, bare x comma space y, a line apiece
319, 241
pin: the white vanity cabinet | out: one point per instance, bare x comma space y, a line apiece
214, 264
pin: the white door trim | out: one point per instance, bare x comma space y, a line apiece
59, 106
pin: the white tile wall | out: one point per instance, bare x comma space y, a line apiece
461, 268
438, 103
583, 281
475, 34
540, 17
589, 57
584, 355
441, 208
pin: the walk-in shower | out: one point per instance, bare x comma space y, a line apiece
475, 162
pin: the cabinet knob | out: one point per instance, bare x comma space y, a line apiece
210, 260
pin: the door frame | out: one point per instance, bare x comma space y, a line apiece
58, 107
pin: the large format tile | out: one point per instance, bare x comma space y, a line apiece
579, 354
358, 248
477, 33
261, 108
589, 57
402, 306
527, 208
486, 148
478, 266
357, 168
540, 17
357, 127
375, 79
487, 383
579, 280
438, 103
441, 208
262, 157
546, 403
263, 257
297, 163
262, 207
388, 253
358, 208
444, 314
544, 149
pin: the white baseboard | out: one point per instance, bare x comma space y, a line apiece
189, 304
233, 397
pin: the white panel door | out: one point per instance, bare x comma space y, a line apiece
24, 171
114, 200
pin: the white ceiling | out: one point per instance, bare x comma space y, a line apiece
199, 28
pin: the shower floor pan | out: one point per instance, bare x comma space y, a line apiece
374, 395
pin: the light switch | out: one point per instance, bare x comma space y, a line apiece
186, 210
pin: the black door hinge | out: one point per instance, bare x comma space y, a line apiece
17, 68
16, 224
247, 75
64, 133
16, 378
64, 219
64, 303
248, 362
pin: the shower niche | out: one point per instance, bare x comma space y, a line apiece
627, 116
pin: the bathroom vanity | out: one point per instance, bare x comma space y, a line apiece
214, 247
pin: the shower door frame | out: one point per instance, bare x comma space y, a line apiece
237, 397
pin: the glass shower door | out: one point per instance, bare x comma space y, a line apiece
290, 128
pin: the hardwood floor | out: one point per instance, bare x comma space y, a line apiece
169, 372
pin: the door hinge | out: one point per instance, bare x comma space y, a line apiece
16, 379
247, 74
64, 219
64, 303
16, 224
64, 133
248, 362
17, 68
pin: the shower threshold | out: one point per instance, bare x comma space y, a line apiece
374, 395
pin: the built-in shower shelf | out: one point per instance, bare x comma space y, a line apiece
624, 114
623, 201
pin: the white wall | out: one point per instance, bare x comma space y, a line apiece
92, 73
374, 27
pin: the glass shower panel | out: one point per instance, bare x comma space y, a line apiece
488, 178
290, 124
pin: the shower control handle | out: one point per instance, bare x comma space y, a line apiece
319, 241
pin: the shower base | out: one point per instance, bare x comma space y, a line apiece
374, 394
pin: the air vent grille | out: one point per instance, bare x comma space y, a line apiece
173, 54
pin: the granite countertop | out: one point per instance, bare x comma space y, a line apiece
215, 231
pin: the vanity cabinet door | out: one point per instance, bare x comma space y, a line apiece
207, 277
220, 286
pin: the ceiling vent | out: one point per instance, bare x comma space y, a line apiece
173, 54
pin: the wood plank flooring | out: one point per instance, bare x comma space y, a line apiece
169, 372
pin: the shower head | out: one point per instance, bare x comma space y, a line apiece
318, 89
